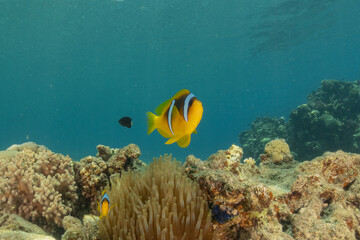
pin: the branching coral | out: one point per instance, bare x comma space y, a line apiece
37, 186
160, 204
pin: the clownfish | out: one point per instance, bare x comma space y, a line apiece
177, 118
104, 205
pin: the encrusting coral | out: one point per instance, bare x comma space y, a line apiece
161, 203
38, 186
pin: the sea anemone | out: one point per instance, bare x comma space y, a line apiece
161, 203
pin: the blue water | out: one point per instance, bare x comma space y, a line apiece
70, 69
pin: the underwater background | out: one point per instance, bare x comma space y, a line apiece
70, 70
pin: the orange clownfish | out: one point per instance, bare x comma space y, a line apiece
104, 205
177, 118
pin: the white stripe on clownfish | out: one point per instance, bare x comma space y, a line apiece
169, 115
186, 105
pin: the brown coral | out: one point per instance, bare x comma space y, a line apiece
37, 186
160, 204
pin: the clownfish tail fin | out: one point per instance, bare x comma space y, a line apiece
151, 118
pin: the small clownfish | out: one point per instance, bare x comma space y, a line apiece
178, 118
104, 205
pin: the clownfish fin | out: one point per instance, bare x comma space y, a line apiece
162, 107
173, 139
184, 141
151, 118
181, 93
112, 206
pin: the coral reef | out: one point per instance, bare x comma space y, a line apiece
93, 173
282, 199
329, 121
37, 185
161, 203
262, 131
223, 197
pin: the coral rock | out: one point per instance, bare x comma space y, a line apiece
123, 158
318, 199
91, 227
92, 172
14, 227
234, 154
104, 152
14, 222
18, 235
276, 151
71, 222
76, 230
28, 145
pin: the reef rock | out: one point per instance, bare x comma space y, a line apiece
87, 229
27, 145
14, 227
283, 199
93, 172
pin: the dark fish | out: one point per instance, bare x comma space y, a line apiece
125, 122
